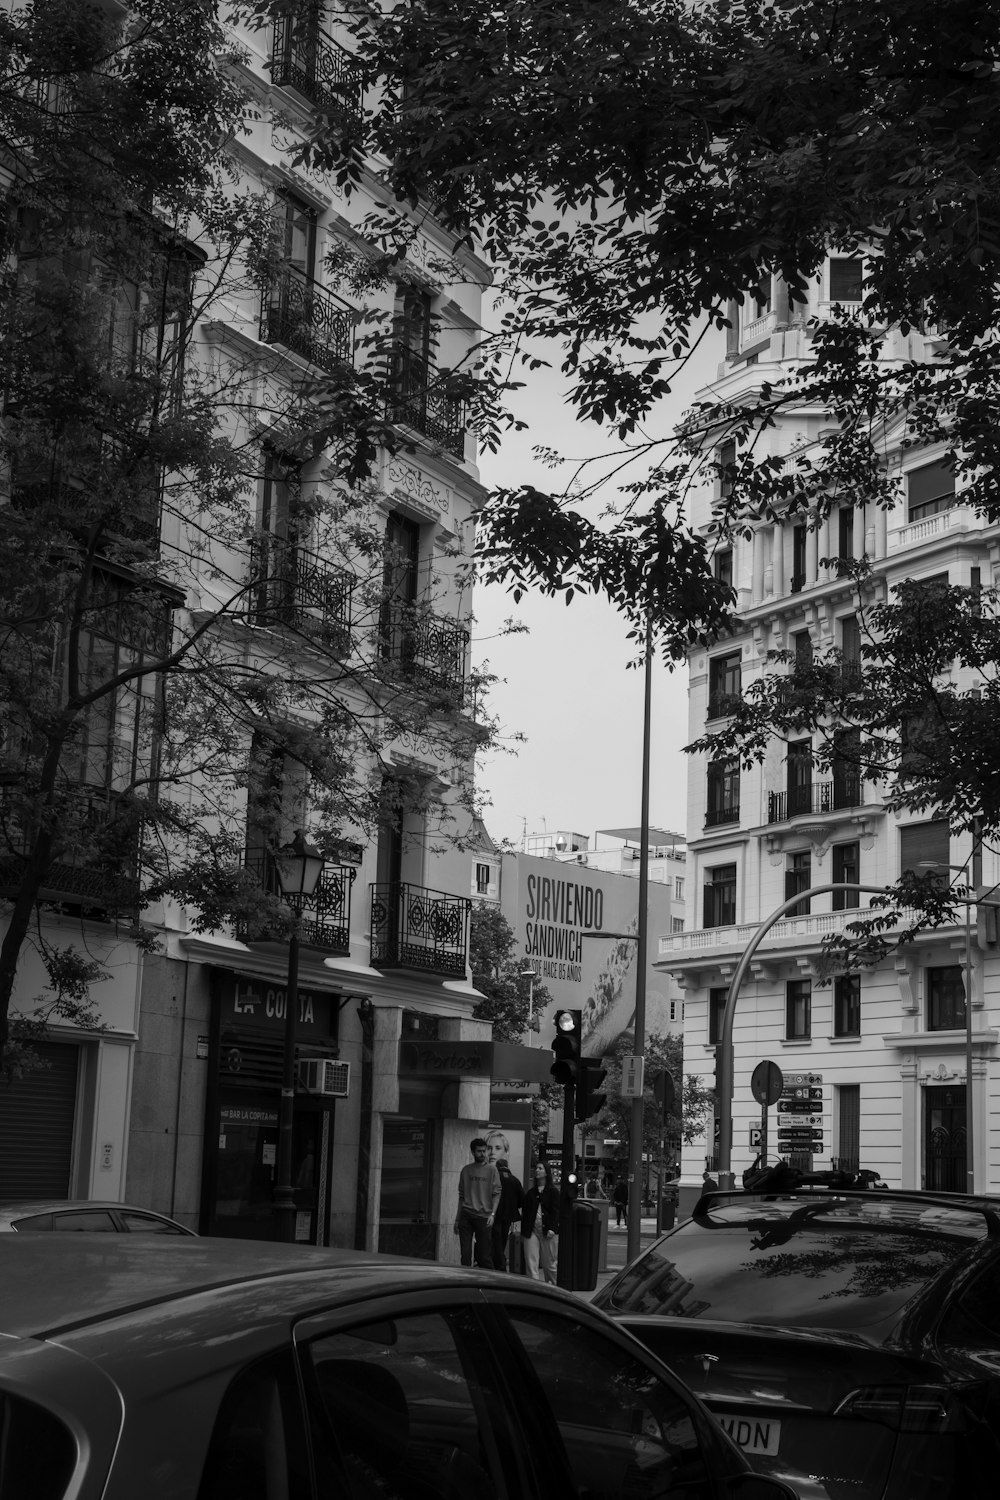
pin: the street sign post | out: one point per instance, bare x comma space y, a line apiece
766, 1085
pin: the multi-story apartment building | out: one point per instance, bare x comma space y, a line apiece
883, 1050
360, 595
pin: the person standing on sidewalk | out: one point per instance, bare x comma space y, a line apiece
478, 1201
511, 1204
620, 1201
540, 1226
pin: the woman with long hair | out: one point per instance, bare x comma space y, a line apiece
540, 1226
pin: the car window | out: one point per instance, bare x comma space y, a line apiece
137, 1223
90, 1219
974, 1319
32, 1223
627, 1435
257, 1449
794, 1269
37, 1453
414, 1411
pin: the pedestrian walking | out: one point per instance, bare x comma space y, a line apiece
478, 1201
540, 1226
620, 1201
511, 1204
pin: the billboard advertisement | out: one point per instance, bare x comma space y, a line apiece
577, 929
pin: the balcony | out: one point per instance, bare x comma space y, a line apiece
425, 406
297, 312
96, 862
326, 915
419, 929
316, 67
77, 480
722, 705
814, 798
429, 649
296, 588
719, 817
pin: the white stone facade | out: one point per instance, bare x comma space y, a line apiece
893, 1075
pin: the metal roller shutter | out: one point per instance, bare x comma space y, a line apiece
36, 1127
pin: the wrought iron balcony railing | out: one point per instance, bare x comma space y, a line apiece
294, 587
716, 817
429, 649
98, 846
421, 403
318, 68
814, 797
299, 313
721, 705
92, 483
415, 928
325, 921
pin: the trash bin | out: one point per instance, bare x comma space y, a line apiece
586, 1245
668, 1209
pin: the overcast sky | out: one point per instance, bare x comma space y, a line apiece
567, 685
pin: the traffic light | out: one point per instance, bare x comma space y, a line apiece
566, 1046
571, 1187
589, 1098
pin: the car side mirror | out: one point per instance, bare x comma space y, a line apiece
757, 1487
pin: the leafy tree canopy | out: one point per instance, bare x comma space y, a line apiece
692, 1104
499, 975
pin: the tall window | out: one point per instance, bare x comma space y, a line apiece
798, 580
678, 887
930, 489
798, 878
722, 566
846, 277
847, 1005
802, 648
849, 1126
727, 463
800, 767
845, 533
798, 1010
676, 924
850, 644
945, 998
482, 879
720, 896
846, 768
846, 867
922, 844
716, 1008
724, 684
723, 792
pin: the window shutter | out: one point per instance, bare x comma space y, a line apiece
931, 482
921, 843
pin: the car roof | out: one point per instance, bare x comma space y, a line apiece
15, 1209
50, 1286
954, 1214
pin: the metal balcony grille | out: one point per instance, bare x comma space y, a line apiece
814, 797
294, 587
429, 649
322, 71
97, 862
415, 928
299, 313
419, 403
716, 817
325, 920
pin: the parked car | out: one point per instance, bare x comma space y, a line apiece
201, 1369
68, 1215
852, 1336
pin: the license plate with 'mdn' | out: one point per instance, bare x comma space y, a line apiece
752, 1434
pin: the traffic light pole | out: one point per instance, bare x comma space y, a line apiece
564, 1264
636, 1131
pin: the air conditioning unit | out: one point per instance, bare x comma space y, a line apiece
325, 1075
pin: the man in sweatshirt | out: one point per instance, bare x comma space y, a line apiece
478, 1200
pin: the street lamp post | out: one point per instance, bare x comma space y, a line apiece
299, 866
637, 1118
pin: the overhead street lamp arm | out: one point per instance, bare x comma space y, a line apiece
725, 1080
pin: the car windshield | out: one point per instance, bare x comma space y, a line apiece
819, 1264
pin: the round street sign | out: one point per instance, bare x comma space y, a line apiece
767, 1083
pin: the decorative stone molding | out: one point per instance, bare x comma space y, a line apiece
407, 483
905, 964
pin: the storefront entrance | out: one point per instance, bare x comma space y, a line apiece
944, 1139
241, 1134
404, 1209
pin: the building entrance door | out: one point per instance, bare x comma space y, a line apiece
944, 1139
